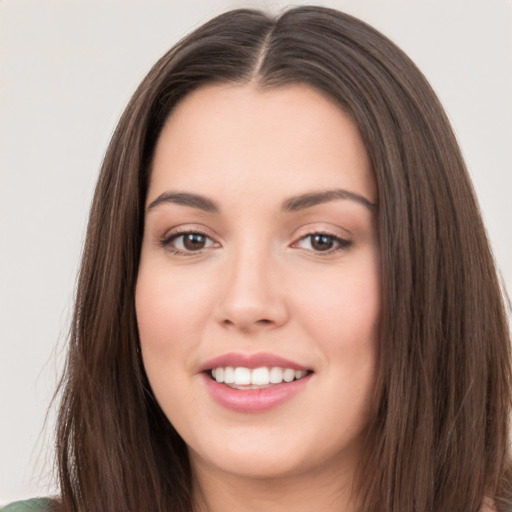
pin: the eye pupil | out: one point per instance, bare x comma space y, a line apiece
322, 242
194, 241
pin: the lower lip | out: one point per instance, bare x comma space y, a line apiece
254, 400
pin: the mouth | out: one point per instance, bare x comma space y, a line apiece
241, 377
254, 383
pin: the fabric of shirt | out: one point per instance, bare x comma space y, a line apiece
33, 505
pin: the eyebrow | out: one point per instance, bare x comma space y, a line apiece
186, 199
293, 204
303, 201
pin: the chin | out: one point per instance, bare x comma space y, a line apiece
256, 465
265, 455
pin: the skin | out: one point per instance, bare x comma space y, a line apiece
259, 283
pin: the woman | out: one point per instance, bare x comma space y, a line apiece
287, 298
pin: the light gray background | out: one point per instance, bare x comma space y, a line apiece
68, 67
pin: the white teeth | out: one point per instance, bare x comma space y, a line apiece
260, 376
263, 376
288, 375
229, 375
242, 376
219, 375
276, 375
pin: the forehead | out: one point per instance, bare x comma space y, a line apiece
248, 138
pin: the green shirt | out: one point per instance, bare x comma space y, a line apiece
33, 505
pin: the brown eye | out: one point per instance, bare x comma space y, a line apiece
193, 241
322, 242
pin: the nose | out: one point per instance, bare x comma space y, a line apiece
252, 298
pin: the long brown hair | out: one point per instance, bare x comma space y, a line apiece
438, 437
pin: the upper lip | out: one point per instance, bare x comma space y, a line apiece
258, 360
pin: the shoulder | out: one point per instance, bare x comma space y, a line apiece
33, 505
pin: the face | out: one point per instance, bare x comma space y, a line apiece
258, 290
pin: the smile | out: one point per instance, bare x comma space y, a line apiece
257, 378
254, 383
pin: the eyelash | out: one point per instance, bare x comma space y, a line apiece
340, 243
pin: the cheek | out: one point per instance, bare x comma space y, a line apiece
170, 307
343, 310
169, 322
344, 319
172, 311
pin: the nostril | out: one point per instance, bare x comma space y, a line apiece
264, 321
